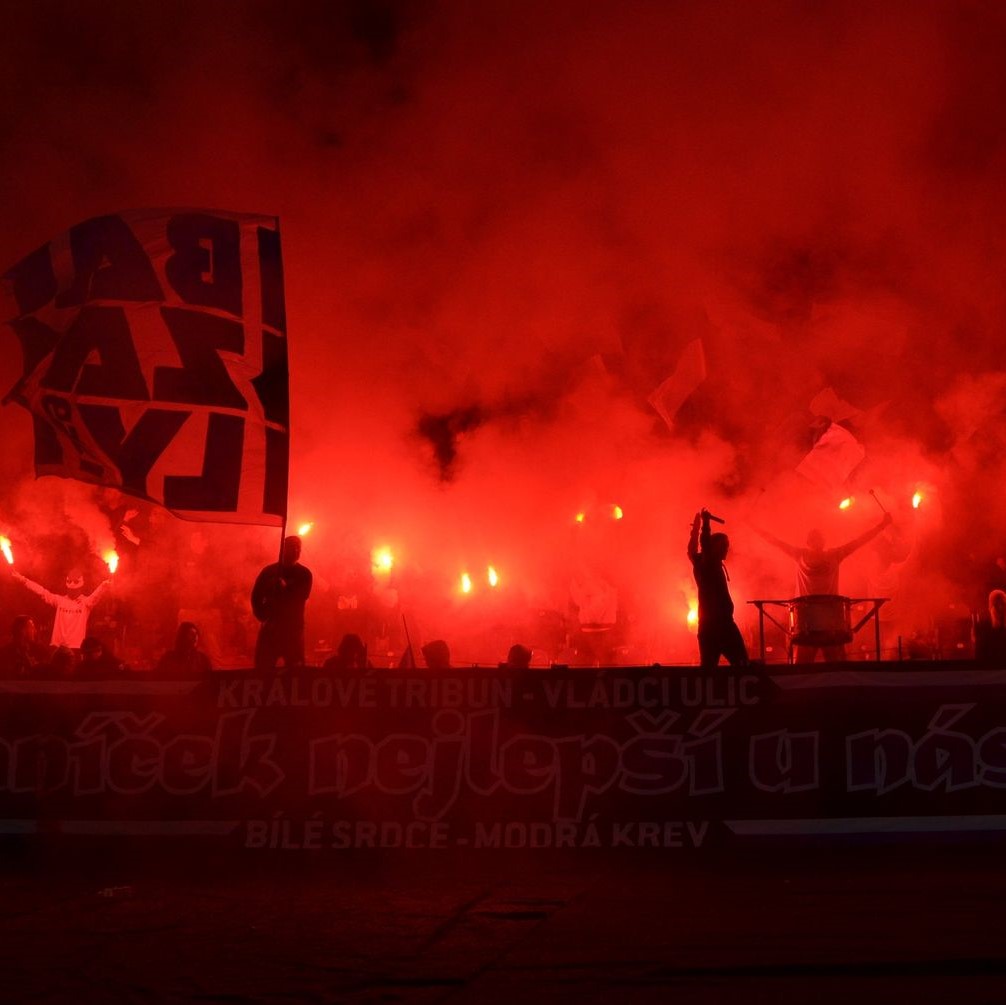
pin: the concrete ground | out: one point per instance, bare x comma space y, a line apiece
131, 922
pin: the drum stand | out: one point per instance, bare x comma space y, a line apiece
873, 612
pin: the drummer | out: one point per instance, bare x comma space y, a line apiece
817, 574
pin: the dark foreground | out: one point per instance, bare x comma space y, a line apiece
134, 922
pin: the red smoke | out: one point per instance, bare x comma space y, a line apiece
502, 225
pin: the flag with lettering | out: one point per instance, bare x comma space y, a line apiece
155, 359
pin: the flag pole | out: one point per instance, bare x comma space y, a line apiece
289, 431
412, 655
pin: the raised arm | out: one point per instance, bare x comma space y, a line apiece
95, 595
790, 549
856, 543
49, 598
693, 539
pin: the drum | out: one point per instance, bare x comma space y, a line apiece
820, 620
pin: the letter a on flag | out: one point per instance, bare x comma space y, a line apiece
155, 359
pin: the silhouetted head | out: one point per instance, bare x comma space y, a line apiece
74, 582
519, 657
997, 608
437, 655
351, 653
64, 661
187, 637
23, 631
815, 540
91, 650
719, 545
291, 550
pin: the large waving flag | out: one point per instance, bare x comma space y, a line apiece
155, 359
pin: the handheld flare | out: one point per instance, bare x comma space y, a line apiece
382, 560
8, 552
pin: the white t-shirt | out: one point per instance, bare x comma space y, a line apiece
70, 624
817, 572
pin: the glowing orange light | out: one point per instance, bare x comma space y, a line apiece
492, 576
580, 517
846, 502
466, 583
692, 618
111, 559
381, 559
916, 500
616, 512
305, 528
6, 549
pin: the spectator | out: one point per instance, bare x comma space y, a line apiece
278, 598
990, 634
73, 608
186, 659
519, 658
437, 655
350, 655
63, 663
96, 663
22, 656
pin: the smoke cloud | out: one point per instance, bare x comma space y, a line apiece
503, 223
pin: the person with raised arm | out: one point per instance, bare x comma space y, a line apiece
817, 569
73, 608
718, 632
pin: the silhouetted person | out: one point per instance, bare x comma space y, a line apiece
185, 659
718, 632
96, 662
278, 598
518, 658
63, 663
990, 633
22, 656
437, 655
351, 654
73, 608
817, 570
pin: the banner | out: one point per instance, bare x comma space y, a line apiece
629, 758
155, 359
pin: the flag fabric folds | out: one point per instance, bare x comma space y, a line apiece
835, 455
690, 372
155, 359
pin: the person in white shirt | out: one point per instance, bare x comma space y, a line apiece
817, 573
73, 608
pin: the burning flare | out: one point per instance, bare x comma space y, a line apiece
6, 549
916, 500
466, 583
846, 502
381, 559
616, 512
580, 517
305, 528
111, 559
492, 576
692, 618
